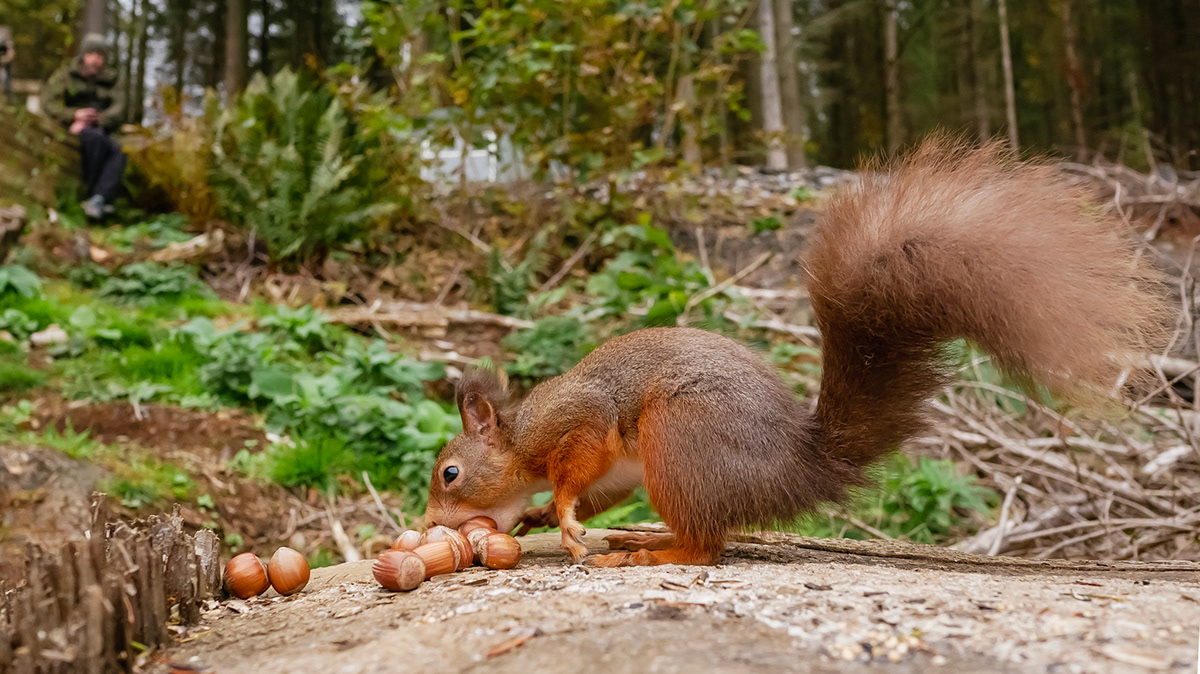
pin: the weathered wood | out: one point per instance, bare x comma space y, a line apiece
93, 645
83, 608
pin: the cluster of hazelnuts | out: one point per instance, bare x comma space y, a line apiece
246, 576
412, 559
416, 557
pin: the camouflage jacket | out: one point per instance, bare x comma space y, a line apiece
67, 91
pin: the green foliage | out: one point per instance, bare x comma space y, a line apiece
143, 482
152, 282
15, 279
16, 375
307, 327
155, 233
634, 510
17, 323
312, 461
88, 275
551, 347
291, 167
575, 83
925, 502
647, 273
770, 223
510, 289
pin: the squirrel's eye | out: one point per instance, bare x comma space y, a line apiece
450, 473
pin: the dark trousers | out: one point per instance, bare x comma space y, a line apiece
103, 164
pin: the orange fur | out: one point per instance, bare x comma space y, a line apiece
950, 242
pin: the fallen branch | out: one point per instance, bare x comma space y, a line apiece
417, 314
721, 287
570, 262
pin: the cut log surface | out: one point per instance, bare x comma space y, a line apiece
776, 602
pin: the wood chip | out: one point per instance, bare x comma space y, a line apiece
1136, 656
513, 643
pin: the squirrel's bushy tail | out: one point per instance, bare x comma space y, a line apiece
960, 242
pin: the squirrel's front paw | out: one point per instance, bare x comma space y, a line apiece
536, 518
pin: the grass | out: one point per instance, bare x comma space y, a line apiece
16, 375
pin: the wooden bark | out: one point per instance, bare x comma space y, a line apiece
235, 49
772, 111
81, 609
973, 35
891, 75
137, 104
1010, 96
1074, 82
789, 84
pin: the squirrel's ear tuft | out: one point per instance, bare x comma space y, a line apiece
479, 394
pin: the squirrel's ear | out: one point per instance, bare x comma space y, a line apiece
478, 415
480, 393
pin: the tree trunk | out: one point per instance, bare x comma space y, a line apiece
235, 49
983, 126
789, 84
769, 76
214, 63
94, 12
264, 38
129, 30
1075, 82
1010, 96
891, 75
137, 103
690, 122
179, 32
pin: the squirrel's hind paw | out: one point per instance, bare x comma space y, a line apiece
637, 540
615, 559
645, 557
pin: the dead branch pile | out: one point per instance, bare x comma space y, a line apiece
1155, 199
1075, 489
99, 603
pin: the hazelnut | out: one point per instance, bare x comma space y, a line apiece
245, 576
288, 571
475, 539
439, 557
399, 570
409, 540
477, 523
465, 555
498, 551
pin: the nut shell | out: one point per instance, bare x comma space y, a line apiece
399, 570
439, 557
409, 540
477, 523
499, 551
476, 538
245, 576
465, 554
288, 571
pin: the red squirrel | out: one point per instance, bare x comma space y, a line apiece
952, 242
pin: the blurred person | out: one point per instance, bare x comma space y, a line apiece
86, 96
7, 54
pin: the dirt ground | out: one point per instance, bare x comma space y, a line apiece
775, 603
